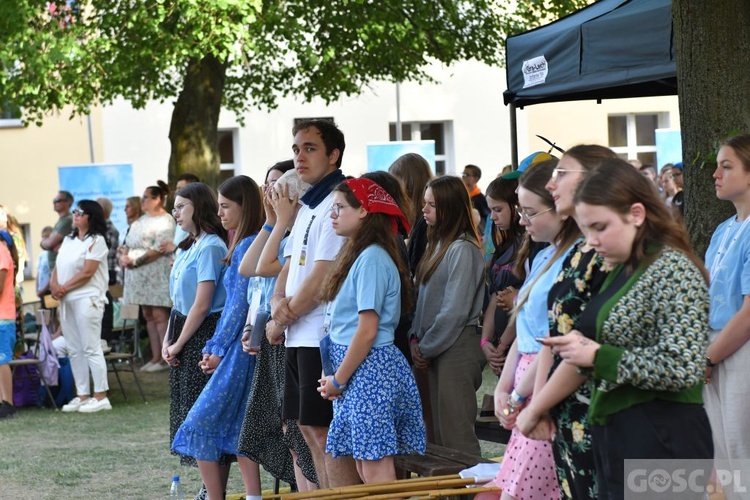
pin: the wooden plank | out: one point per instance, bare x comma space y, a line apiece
437, 460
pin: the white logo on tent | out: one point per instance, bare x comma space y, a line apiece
534, 71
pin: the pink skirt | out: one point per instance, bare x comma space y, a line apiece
528, 470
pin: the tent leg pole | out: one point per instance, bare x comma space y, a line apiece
513, 137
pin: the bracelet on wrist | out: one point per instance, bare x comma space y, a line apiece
336, 384
413, 340
268, 227
710, 363
484, 342
517, 398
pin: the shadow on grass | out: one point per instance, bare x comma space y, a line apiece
122, 453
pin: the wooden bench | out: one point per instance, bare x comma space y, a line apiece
437, 461
489, 429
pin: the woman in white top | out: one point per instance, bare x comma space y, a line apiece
79, 282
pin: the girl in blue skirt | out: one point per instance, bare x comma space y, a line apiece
377, 411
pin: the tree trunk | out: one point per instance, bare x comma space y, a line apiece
193, 131
712, 42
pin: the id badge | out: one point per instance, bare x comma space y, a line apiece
303, 255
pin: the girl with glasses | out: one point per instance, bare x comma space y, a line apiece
198, 298
528, 470
560, 403
211, 429
367, 290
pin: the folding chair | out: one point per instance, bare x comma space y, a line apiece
125, 351
34, 361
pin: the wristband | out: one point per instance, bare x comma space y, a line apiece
514, 402
336, 384
516, 398
484, 342
414, 340
268, 227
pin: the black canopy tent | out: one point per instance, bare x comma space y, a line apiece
608, 50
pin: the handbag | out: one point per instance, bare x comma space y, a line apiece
50, 365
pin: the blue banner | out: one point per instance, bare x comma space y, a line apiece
89, 182
381, 155
668, 146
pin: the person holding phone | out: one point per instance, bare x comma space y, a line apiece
642, 339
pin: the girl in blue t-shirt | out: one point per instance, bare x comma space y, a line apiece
377, 411
197, 297
528, 470
728, 262
212, 427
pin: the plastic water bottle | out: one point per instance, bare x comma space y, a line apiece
175, 491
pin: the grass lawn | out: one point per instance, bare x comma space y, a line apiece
122, 454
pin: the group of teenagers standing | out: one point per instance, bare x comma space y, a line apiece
290, 344
620, 343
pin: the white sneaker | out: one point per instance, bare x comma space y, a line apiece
74, 405
93, 405
148, 365
157, 367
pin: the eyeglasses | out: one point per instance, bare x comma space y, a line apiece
467, 174
559, 173
529, 217
78, 212
178, 208
58, 200
336, 208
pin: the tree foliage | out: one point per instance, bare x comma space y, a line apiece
88, 52
525, 15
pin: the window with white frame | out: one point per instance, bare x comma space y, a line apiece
633, 135
227, 153
10, 115
440, 132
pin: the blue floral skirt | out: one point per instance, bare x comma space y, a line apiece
380, 413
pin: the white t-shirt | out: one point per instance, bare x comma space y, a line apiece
70, 260
312, 239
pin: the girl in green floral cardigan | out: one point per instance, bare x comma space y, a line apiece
643, 338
